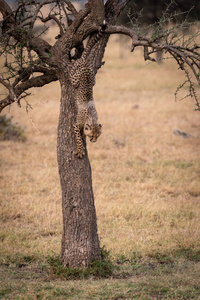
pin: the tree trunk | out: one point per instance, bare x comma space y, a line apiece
80, 242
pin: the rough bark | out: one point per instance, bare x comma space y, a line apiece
80, 243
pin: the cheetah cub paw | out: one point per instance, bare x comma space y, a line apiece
80, 153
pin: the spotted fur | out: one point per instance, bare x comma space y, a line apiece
83, 79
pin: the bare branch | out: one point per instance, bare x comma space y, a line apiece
36, 66
184, 55
146, 54
80, 17
15, 93
69, 21
5, 10
22, 34
97, 11
4, 83
71, 8
38, 81
52, 17
5, 102
113, 8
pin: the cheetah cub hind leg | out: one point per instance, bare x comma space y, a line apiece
80, 150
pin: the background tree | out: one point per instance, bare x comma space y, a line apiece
30, 61
147, 15
150, 12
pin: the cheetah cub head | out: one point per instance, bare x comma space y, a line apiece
93, 131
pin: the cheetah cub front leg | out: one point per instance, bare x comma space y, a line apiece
80, 150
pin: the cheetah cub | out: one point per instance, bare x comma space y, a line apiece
83, 79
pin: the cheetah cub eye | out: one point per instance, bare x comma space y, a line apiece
87, 127
92, 131
87, 130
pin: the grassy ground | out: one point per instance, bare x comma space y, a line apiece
146, 185
150, 280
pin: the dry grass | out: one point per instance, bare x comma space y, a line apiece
146, 178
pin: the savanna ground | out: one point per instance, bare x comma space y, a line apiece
146, 183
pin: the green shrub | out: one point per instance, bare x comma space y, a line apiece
10, 130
